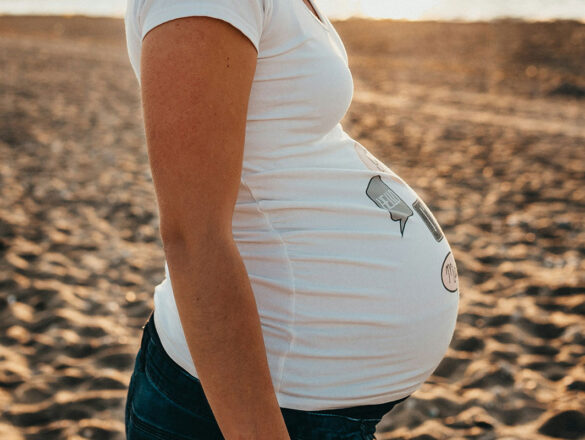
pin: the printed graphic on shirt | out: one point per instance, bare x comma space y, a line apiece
422, 209
373, 163
383, 196
449, 275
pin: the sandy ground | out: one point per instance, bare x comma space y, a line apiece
485, 121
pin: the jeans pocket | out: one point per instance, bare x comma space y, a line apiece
152, 412
138, 429
308, 425
164, 405
131, 385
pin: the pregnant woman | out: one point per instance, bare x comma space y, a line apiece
308, 288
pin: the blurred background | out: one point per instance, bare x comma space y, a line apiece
342, 9
479, 105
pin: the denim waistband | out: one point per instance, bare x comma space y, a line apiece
175, 371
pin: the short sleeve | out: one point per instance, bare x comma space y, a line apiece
245, 15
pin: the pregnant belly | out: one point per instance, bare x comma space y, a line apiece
354, 279
355, 246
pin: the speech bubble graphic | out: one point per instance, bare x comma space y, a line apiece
449, 275
428, 218
383, 196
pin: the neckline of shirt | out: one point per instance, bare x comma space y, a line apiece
320, 18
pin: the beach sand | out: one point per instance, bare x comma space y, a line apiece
486, 121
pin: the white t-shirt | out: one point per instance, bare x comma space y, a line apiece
354, 280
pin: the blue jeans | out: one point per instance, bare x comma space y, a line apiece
165, 402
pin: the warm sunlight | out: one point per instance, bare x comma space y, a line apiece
404, 255
409, 10
469, 10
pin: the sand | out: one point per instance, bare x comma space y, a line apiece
486, 121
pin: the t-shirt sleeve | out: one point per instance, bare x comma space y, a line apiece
245, 15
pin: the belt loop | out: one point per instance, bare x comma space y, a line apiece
148, 319
145, 330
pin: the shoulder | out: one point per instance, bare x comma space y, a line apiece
248, 16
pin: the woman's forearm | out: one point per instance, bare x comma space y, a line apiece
221, 323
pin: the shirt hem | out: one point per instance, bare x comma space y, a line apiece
319, 405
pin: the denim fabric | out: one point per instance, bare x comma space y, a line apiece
165, 402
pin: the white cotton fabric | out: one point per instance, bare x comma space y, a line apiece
354, 282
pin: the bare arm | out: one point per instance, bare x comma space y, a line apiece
196, 76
